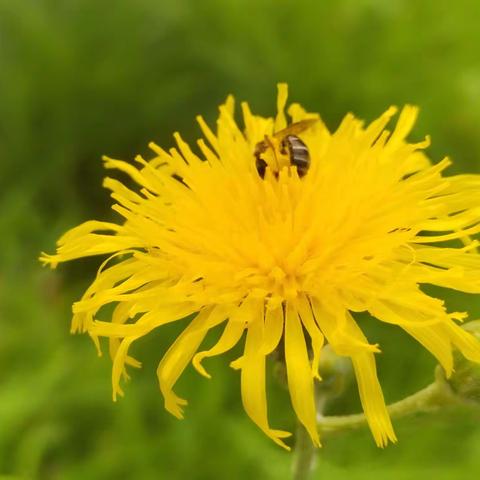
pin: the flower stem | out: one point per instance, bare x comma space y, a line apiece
305, 458
304, 461
436, 395
430, 398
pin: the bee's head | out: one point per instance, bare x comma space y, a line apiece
270, 153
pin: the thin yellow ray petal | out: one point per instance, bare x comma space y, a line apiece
372, 399
405, 123
237, 363
436, 341
273, 329
423, 319
230, 104
415, 162
230, 337
107, 277
180, 353
148, 322
448, 236
467, 343
256, 127
187, 153
375, 128
130, 332
114, 283
88, 227
341, 331
316, 336
406, 315
300, 380
89, 245
130, 170
120, 191
298, 113
207, 132
120, 316
118, 366
364, 364
254, 395
280, 120
209, 155
81, 242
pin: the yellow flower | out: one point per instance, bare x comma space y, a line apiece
283, 258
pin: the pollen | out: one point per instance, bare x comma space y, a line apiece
279, 260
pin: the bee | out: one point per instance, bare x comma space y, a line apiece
283, 149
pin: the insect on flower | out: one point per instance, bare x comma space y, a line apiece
238, 237
285, 148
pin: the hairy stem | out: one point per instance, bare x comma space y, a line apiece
430, 398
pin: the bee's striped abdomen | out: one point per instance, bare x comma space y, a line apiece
298, 152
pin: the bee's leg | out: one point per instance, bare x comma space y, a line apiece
269, 142
261, 165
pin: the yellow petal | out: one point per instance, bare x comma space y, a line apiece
129, 169
256, 127
119, 316
280, 120
118, 367
253, 381
316, 336
375, 128
372, 399
436, 341
180, 353
405, 123
467, 343
82, 242
299, 373
209, 135
422, 317
130, 332
273, 329
145, 324
363, 361
340, 329
230, 337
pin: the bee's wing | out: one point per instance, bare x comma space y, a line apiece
296, 128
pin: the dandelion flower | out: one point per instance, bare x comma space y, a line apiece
280, 258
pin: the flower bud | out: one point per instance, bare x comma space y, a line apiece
335, 371
465, 379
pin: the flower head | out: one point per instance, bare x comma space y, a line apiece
282, 258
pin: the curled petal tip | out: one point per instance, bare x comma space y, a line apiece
196, 362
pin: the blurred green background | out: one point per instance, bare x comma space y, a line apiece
82, 78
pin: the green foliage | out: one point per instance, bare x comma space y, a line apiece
80, 78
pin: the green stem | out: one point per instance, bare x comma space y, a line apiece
305, 451
304, 461
430, 398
